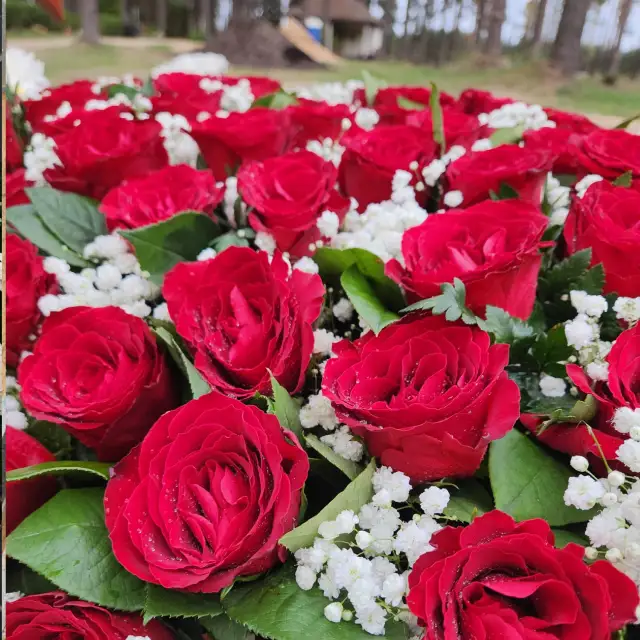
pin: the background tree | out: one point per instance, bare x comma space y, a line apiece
90, 21
623, 17
538, 24
566, 52
495, 20
272, 11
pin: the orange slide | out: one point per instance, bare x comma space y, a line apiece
54, 7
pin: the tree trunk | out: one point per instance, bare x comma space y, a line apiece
389, 8
124, 12
536, 38
481, 18
272, 11
566, 53
209, 9
494, 28
90, 21
161, 16
623, 17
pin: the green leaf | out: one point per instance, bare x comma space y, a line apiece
277, 100
52, 436
348, 467
222, 627
565, 275
229, 239
30, 226
564, 537
550, 349
286, 409
332, 263
451, 302
73, 219
278, 609
504, 327
130, 92
506, 135
365, 300
100, 469
625, 123
198, 385
354, 497
410, 105
171, 603
22, 579
529, 482
371, 86
160, 247
66, 541
470, 500
593, 280
437, 121
624, 180
148, 89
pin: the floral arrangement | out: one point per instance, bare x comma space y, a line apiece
332, 362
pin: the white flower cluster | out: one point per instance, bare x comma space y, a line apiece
582, 185
128, 79
25, 74
12, 596
39, 156
332, 93
559, 200
198, 63
517, 114
179, 145
583, 334
328, 149
380, 228
343, 310
368, 555
138, 638
436, 168
12, 411
627, 310
615, 531
318, 412
552, 387
116, 280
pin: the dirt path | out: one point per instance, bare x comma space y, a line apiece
36, 44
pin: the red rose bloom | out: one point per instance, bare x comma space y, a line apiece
372, 157
78, 116
498, 579
288, 195
476, 101
25, 496
245, 316
315, 120
479, 172
572, 121
13, 148
160, 195
226, 143
559, 143
99, 154
609, 153
206, 496
493, 247
427, 396
15, 185
99, 374
606, 219
459, 128
57, 615
26, 283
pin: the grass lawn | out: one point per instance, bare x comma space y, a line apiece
525, 80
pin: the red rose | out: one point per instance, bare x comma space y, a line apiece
100, 153
260, 85
15, 184
245, 316
288, 195
98, 373
159, 196
26, 283
559, 143
77, 94
459, 128
13, 149
573, 121
372, 157
606, 219
79, 115
25, 496
315, 120
426, 396
498, 579
476, 101
180, 93
206, 496
493, 247
479, 172
57, 615
609, 153
226, 143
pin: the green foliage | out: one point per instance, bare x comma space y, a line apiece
355, 496
170, 603
125, 89
504, 327
53, 437
624, 180
348, 467
436, 118
222, 627
627, 121
99, 469
469, 500
529, 482
371, 86
506, 192
286, 409
232, 239
451, 302
410, 105
278, 100
506, 136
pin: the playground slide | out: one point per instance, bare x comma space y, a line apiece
300, 38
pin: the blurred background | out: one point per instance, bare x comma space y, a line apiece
582, 55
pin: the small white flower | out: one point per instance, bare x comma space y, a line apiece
329, 530
12, 596
307, 265
305, 578
484, 144
609, 499
616, 478
343, 310
108, 277
584, 184
161, 312
372, 619
318, 412
346, 521
591, 553
16, 419
434, 500
583, 492
393, 589
598, 370
367, 118
552, 387
432, 172
363, 539
453, 199
613, 555
323, 341
593, 306
579, 463
55, 266
629, 454
333, 612
579, 332
48, 303
625, 419
396, 483
328, 224
558, 216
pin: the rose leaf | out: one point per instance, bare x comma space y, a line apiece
410, 105
66, 541
354, 497
348, 467
529, 482
285, 408
100, 469
279, 609
470, 500
506, 135
564, 537
171, 603
437, 121
371, 86
222, 627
